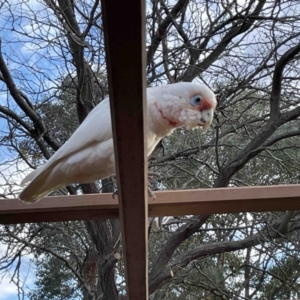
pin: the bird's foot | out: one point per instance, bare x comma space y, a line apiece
151, 194
151, 177
113, 179
115, 193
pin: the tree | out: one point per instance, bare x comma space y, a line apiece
248, 52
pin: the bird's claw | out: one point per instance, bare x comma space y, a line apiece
151, 194
151, 177
113, 178
114, 194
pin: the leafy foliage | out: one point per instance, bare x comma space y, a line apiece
54, 281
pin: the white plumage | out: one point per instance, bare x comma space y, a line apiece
89, 156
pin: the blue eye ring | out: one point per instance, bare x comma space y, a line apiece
196, 100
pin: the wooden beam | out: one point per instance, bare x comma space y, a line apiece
124, 31
59, 208
168, 203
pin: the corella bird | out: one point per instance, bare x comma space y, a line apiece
89, 155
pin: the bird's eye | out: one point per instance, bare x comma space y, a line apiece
196, 100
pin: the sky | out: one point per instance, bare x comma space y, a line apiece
36, 77
8, 289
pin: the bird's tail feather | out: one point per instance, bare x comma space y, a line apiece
31, 176
39, 186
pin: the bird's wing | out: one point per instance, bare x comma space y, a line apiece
91, 139
95, 128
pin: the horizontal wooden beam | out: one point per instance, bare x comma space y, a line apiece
168, 203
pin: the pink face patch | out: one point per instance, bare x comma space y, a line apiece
205, 105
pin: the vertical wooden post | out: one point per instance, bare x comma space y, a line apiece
124, 28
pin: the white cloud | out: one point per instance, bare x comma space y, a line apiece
7, 288
14, 172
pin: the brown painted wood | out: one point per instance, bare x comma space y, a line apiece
124, 30
226, 200
59, 208
168, 203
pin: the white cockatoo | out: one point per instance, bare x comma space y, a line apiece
89, 154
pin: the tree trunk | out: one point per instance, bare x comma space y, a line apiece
105, 234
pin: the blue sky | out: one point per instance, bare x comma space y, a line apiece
17, 48
8, 289
32, 48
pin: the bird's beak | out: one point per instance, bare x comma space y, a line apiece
207, 118
205, 127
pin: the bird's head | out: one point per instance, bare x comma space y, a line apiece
187, 104
200, 103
